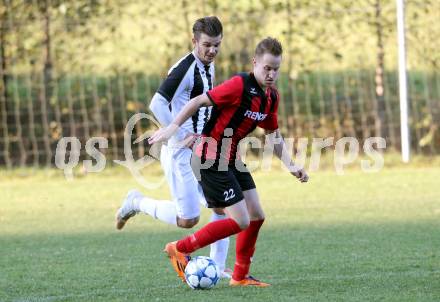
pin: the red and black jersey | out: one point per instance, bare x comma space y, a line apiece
240, 105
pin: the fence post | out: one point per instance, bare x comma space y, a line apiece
403, 90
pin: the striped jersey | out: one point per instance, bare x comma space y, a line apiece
240, 105
186, 79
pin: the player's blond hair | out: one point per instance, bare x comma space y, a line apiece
269, 45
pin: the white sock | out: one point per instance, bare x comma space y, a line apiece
219, 249
163, 210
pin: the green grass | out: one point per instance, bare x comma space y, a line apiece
357, 237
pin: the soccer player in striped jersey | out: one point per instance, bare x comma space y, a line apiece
239, 105
191, 76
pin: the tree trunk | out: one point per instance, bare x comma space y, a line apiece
3, 60
289, 123
3, 93
48, 64
379, 78
188, 28
45, 89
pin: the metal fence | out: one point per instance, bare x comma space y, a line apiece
41, 103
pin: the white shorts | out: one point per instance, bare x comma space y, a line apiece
184, 186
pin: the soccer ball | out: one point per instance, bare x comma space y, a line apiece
202, 273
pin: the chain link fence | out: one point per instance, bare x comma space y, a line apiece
84, 69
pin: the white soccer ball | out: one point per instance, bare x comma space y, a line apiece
202, 273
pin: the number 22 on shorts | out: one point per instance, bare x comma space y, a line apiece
229, 194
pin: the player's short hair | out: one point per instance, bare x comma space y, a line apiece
210, 26
269, 45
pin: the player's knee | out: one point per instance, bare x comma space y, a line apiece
219, 211
258, 216
243, 222
243, 225
187, 223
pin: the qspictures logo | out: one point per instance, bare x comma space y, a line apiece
346, 151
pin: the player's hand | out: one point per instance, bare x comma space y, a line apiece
301, 175
163, 134
189, 140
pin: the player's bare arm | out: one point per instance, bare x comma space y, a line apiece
187, 111
282, 153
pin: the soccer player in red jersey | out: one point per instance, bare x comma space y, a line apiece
239, 105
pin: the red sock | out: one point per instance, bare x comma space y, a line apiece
210, 233
245, 248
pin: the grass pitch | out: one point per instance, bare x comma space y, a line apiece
357, 237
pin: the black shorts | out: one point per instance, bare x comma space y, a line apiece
225, 188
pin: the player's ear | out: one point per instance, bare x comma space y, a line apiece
194, 41
254, 61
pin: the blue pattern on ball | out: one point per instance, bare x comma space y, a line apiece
202, 273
